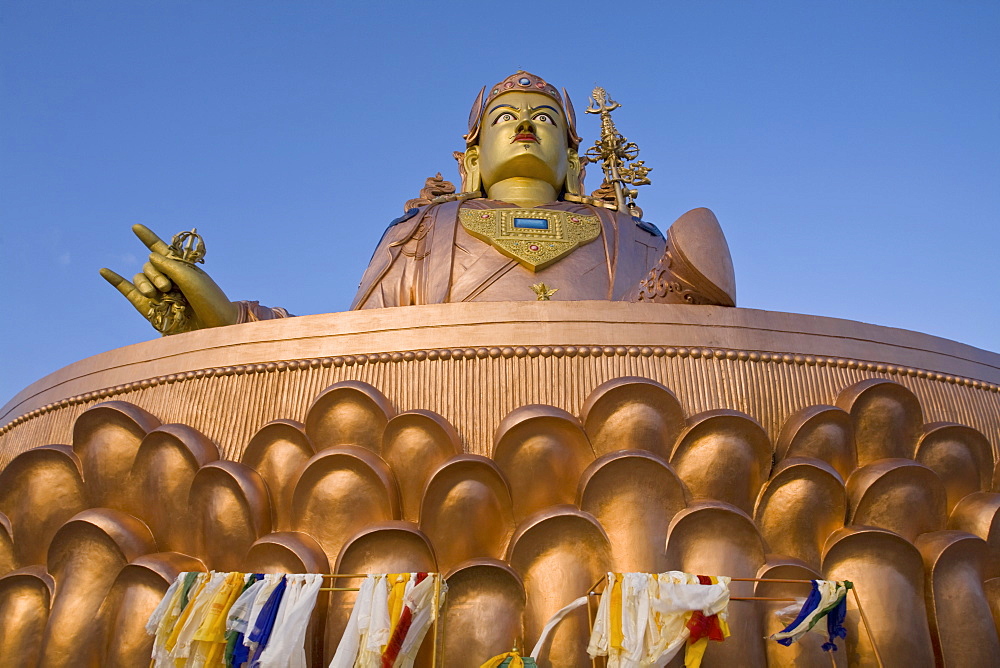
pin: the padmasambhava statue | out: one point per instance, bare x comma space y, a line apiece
521, 229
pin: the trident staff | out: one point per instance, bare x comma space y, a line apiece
616, 152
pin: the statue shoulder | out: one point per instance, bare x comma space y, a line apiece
646, 226
415, 211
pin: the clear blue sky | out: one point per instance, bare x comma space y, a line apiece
851, 150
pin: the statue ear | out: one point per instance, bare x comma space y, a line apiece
574, 173
471, 181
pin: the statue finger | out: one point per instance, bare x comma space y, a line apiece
148, 237
145, 286
181, 273
157, 278
127, 289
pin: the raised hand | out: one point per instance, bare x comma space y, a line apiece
174, 295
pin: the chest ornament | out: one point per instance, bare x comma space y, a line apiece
536, 238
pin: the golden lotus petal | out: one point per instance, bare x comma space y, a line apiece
632, 413
40, 490
348, 413
8, 562
560, 553
482, 613
165, 466
542, 451
286, 552
134, 595
279, 452
888, 576
295, 552
799, 507
25, 597
887, 419
633, 494
979, 514
723, 436
807, 651
956, 563
961, 456
991, 588
820, 432
899, 495
106, 438
714, 538
466, 511
341, 491
85, 557
231, 511
414, 445
389, 547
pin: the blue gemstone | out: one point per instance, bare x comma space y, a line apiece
532, 223
524, 81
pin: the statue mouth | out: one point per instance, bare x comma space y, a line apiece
524, 136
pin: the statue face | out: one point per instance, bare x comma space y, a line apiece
523, 135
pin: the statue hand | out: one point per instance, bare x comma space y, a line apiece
157, 286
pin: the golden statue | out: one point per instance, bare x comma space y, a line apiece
523, 452
521, 219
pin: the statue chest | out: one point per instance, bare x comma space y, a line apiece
535, 238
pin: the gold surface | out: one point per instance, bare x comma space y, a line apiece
165, 465
807, 652
802, 504
39, 492
899, 495
231, 510
887, 419
341, 491
294, 552
483, 613
820, 432
888, 574
85, 558
559, 553
723, 436
278, 452
534, 248
359, 474
25, 597
632, 413
415, 444
466, 511
962, 457
634, 495
542, 451
711, 538
389, 547
962, 629
121, 620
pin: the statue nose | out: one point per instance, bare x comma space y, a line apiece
525, 126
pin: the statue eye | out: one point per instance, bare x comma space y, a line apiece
504, 118
544, 118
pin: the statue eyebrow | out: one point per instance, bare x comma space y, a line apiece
545, 106
501, 106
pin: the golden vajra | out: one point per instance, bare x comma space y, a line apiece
618, 155
544, 292
172, 314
